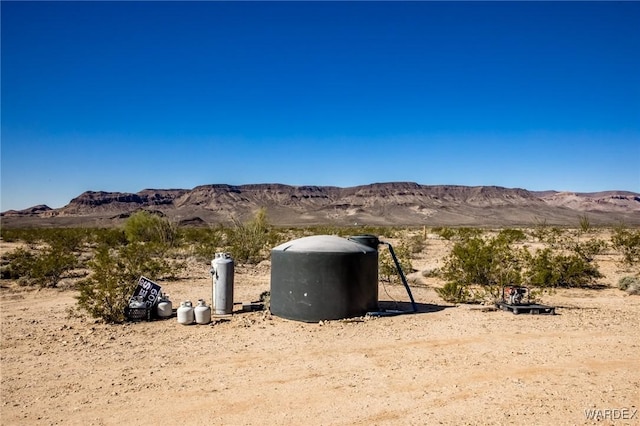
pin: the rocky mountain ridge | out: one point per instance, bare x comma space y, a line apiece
393, 203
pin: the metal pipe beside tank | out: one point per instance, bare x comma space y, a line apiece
373, 242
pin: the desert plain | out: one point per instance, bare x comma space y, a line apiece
447, 364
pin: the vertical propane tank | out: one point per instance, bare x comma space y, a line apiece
222, 285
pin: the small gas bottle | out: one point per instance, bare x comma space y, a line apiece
185, 313
202, 313
164, 309
137, 302
137, 310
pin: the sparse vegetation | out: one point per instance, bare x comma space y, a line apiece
104, 294
250, 242
387, 268
488, 263
42, 266
630, 284
585, 223
454, 292
627, 242
204, 243
147, 227
478, 264
115, 270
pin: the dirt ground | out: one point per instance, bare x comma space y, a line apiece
444, 365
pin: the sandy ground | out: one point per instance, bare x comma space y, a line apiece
444, 365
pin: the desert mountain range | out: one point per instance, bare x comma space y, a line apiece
395, 203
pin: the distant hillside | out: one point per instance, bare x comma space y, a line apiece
395, 203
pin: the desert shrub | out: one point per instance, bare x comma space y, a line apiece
146, 227
51, 264
444, 233
630, 284
432, 273
585, 224
30, 236
67, 239
114, 274
17, 263
589, 249
416, 244
250, 242
552, 236
485, 261
469, 262
627, 242
458, 234
550, 269
540, 268
386, 266
510, 236
44, 267
204, 242
454, 292
489, 263
112, 237
104, 293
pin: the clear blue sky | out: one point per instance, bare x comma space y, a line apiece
123, 96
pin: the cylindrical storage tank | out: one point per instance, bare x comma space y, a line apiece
366, 239
323, 277
222, 267
202, 312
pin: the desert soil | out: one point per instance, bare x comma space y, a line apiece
444, 365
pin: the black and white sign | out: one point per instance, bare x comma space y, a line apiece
148, 290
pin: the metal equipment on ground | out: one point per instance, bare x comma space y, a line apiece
516, 300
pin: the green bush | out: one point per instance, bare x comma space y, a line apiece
112, 237
51, 264
43, 267
585, 224
142, 248
630, 284
71, 239
489, 263
17, 263
387, 269
485, 261
589, 249
204, 242
251, 242
627, 242
552, 236
453, 292
549, 269
444, 233
145, 227
114, 276
416, 244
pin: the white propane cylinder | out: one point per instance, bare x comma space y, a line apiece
202, 312
164, 309
222, 286
185, 313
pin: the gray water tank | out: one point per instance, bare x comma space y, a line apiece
323, 277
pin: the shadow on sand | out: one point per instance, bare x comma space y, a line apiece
422, 308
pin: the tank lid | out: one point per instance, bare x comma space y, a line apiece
324, 243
